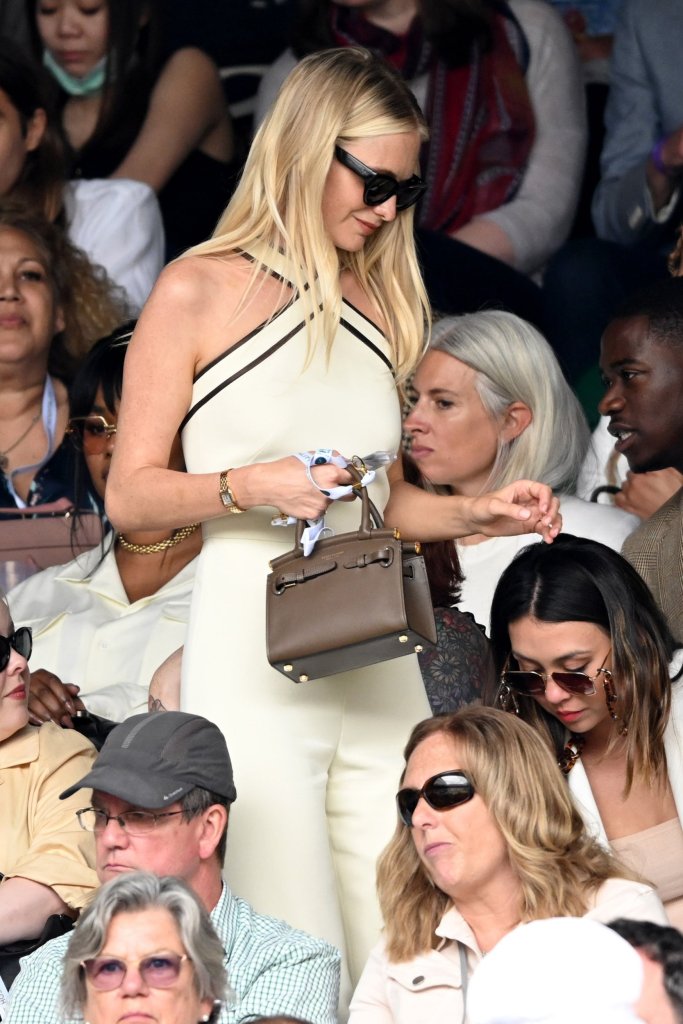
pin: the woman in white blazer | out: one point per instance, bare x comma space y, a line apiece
585, 656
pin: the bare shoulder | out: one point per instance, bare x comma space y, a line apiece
188, 65
200, 284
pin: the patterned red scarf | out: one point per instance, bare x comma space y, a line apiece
480, 116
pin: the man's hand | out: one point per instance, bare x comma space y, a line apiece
642, 494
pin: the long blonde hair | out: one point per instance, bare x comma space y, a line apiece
559, 865
330, 98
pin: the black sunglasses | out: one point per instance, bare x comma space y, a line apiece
22, 642
380, 186
533, 684
441, 792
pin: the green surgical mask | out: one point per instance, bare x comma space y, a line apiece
88, 85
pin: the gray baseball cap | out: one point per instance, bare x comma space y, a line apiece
154, 759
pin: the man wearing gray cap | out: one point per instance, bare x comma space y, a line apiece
162, 785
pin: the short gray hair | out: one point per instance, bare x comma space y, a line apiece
514, 363
141, 890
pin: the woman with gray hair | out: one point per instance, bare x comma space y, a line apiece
145, 944
490, 405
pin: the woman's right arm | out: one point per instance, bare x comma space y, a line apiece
162, 360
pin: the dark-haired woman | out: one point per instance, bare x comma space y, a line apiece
116, 223
585, 657
53, 304
500, 86
104, 622
126, 114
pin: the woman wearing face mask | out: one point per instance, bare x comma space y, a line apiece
53, 305
145, 949
585, 657
126, 114
490, 404
46, 861
116, 223
487, 838
127, 602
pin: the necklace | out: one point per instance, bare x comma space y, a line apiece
161, 545
571, 753
4, 461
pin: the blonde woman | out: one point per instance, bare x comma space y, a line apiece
487, 839
283, 333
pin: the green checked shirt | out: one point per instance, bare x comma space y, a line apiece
273, 970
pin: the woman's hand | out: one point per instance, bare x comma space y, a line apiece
522, 507
284, 484
51, 700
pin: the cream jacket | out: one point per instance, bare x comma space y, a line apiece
429, 988
673, 740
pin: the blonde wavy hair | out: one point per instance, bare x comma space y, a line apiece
330, 98
558, 863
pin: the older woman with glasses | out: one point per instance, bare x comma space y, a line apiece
144, 949
487, 838
586, 658
46, 861
128, 601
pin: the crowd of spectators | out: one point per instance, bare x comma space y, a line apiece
543, 169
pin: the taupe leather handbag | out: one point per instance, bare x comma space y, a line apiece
359, 598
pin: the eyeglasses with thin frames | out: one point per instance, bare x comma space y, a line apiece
157, 970
135, 823
90, 434
533, 684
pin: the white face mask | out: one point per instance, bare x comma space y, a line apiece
88, 85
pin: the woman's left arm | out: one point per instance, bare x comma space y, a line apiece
522, 507
526, 231
187, 110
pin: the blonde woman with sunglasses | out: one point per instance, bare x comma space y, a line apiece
283, 334
487, 838
586, 658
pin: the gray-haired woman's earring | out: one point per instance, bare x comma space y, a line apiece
506, 699
611, 702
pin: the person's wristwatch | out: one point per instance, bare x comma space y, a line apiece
226, 495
